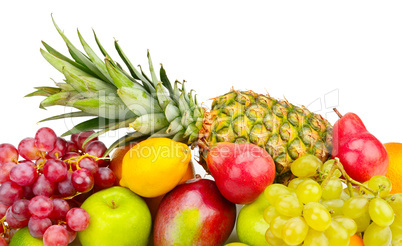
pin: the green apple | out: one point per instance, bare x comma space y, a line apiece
22, 237
251, 226
118, 217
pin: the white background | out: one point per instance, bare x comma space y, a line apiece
350, 51
315, 53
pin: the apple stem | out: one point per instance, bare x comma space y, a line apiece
113, 204
337, 112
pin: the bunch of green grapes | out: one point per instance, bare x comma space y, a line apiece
315, 208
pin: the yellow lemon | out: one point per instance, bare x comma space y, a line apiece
155, 166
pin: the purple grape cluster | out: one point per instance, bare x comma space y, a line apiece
45, 189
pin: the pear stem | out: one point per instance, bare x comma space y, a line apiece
337, 112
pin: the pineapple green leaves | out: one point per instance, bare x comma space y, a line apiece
115, 98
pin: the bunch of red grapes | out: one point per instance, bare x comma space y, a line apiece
44, 191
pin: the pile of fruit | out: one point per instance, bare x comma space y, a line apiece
44, 190
301, 180
315, 209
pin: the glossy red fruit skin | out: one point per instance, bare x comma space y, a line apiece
216, 214
241, 171
8, 153
361, 153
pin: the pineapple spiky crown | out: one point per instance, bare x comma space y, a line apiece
119, 99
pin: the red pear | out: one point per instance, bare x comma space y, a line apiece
361, 153
241, 171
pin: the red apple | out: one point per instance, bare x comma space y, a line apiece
241, 171
361, 153
194, 213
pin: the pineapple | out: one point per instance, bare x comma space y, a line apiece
115, 99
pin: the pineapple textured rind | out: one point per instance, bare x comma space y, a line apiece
284, 130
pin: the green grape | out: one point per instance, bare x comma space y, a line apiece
315, 238
309, 191
272, 240
362, 222
396, 203
277, 224
337, 235
295, 182
316, 216
326, 168
273, 191
288, 205
380, 182
381, 212
396, 228
333, 189
269, 214
345, 193
347, 223
376, 235
306, 166
355, 206
295, 231
334, 206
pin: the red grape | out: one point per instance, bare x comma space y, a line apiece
60, 149
71, 147
3, 241
45, 139
43, 186
8, 153
3, 209
70, 155
82, 137
55, 235
82, 180
60, 209
74, 138
65, 187
20, 209
28, 150
88, 163
13, 222
27, 192
104, 177
103, 162
10, 192
23, 174
40, 206
77, 219
71, 234
96, 148
5, 169
38, 226
55, 170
